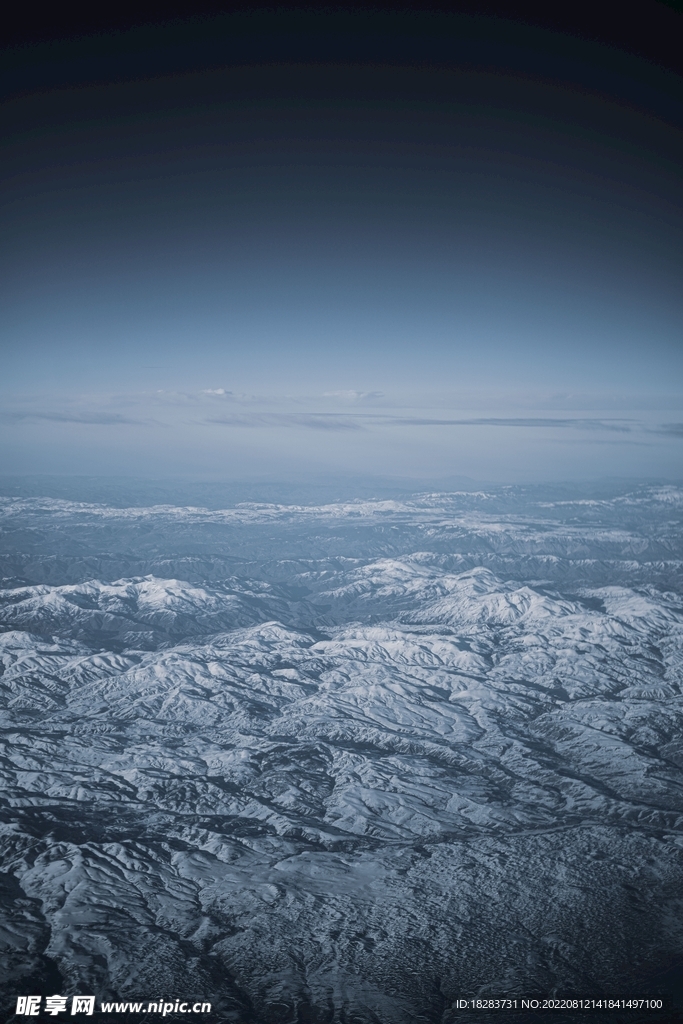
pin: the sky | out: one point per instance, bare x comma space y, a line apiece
416, 246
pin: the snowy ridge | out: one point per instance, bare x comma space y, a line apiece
145, 610
521, 667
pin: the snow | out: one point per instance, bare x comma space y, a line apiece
365, 777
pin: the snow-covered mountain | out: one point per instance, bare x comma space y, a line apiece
356, 762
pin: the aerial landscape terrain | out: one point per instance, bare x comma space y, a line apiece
344, 762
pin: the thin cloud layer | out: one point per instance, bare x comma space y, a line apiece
217, 432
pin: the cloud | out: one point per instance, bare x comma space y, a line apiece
101, 418
514, 421
188, 409
361, 421
355, 396
312, 421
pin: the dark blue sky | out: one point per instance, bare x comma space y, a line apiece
425, 248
